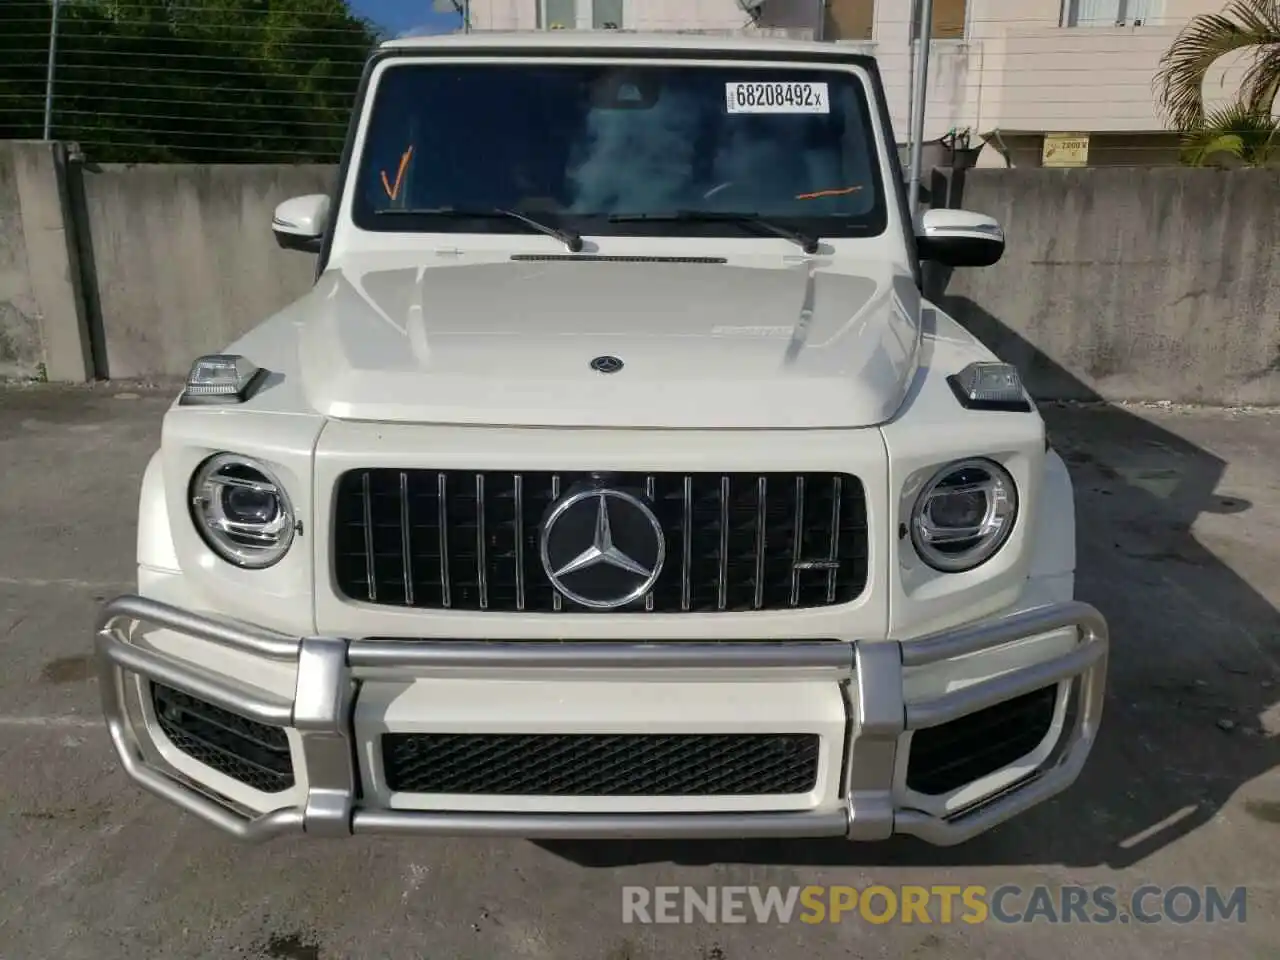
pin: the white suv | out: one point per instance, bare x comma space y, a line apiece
614, 479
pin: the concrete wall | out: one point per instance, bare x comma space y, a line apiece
21, 348
42, 316
185, 258
1117, 283
1132, 284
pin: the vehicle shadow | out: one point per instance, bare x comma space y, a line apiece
1191, 669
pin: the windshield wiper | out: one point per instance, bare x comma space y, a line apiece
570, 238
807, 243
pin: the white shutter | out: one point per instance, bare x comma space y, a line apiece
1140, 11
1094, 13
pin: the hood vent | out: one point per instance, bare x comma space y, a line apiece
578, 257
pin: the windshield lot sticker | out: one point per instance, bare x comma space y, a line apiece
777, 98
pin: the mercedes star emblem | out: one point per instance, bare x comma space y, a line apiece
606, 364
602, 548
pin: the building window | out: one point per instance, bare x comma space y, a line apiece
1108, 13
557, 14
850, 20
950, 19
563, 14
606, 14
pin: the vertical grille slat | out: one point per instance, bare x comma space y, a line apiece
650, 491
557, 602
442, 499
762, 502
470, 540
797, 541
722, 579
518, 493
686, 538
406, 554
837, 485
369, 555
482, 562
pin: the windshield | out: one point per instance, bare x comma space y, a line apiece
592, 146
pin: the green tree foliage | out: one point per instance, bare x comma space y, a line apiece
1251, 26
186, 80
1233, 136
1243, 132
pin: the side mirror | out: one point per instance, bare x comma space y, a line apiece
960, 238
300, 222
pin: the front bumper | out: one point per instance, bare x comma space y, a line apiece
330, 671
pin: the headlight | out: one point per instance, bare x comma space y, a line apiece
241, 511
963, 515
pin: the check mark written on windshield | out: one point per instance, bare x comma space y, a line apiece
393, 190
828, 193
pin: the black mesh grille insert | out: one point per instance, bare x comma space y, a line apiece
949, 756
471, 541
247, 751
599, 765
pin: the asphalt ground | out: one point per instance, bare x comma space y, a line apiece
1179, 516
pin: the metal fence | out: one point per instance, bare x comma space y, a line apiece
205, 81
182, 80
194, 81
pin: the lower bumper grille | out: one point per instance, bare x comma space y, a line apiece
949, 756
244, 750
594, 765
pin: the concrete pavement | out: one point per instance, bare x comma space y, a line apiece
1179, 514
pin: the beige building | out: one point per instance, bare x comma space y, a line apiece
1012, 70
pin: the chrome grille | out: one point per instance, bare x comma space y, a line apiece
464, 540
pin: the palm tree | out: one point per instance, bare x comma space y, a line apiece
1242, 25
1233, 136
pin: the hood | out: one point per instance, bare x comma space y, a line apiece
702, 345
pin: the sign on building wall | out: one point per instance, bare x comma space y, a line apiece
1065, 150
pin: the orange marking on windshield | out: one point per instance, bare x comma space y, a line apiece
827, 193
394, 191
